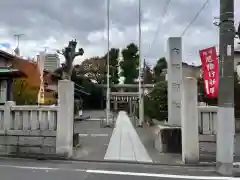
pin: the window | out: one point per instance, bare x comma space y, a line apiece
3, 92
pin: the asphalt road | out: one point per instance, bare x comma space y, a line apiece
21, 169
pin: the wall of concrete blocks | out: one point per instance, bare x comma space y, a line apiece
17, 142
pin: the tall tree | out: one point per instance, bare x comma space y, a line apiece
113, 66
156, 106
83, 83
158, 69
70, 54
94, 68
130, 63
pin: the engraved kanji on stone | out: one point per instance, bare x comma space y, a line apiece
177, 104
176, 86
177, 66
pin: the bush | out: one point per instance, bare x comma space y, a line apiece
156, 102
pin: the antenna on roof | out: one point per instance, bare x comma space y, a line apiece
17, 50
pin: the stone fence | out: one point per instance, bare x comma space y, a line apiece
207, 119
42, 130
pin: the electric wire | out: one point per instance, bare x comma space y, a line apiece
195, 18
155, 37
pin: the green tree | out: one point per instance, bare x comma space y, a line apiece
158, 69
95, 97
113, 66
93, 68
23, 94
130, 63
96, 68
156, 102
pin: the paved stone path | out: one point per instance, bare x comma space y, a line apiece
125, 143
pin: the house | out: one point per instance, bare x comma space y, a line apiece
12, 67
7, 74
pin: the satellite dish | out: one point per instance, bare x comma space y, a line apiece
17, 51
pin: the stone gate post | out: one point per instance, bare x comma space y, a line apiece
64, 142
189, 117
174, 74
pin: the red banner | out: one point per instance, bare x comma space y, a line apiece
210, 71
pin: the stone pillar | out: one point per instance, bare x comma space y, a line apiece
115, 106
174, 58
8, 121
141, 111
64, 142
130, 107
189, 124
225, 140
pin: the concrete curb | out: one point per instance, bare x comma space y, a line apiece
58, 158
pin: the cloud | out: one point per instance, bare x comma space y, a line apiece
53, 23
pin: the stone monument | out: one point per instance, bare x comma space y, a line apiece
174, 58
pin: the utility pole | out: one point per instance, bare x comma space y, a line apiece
108, 70
226, 118
141, 100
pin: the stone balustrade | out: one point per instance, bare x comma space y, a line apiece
207, 120
42, 130
29, 117
27, 129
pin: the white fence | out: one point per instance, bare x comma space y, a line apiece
207, 119
29, 117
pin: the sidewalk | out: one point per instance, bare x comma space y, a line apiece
125, 144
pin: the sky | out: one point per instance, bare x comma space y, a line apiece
51, 24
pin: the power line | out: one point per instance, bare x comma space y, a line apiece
195, 17
160, 24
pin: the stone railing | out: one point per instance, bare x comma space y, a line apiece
27, 129
207, 119
45, 130
38, 118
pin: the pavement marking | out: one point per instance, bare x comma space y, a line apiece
94, 119
42, 168
93, 135
29, 167
99, 135
125, 143
169, 176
